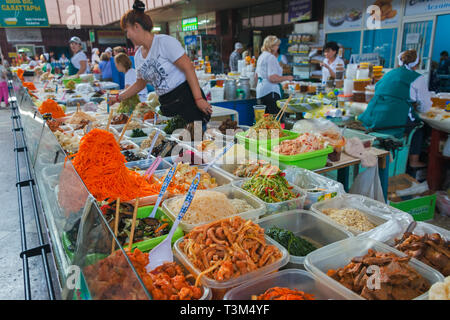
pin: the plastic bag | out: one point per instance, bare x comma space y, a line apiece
366, 205
368, 184
317, 187
84, 88
315, 126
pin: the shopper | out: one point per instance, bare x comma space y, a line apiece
109, 51
118, 50
269, 74
105, 67
4, 96
235, 56
95, 58
444, 63
124, 65
391, 105
23, 58
162, 62
331, 61
63, 61
78, 64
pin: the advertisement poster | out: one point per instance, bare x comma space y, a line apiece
390, 11
344, 14
23, 13
299, 10
422, 7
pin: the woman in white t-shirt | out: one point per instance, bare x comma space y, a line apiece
270, 75
124, 65
331, 61
78, 64
161, 61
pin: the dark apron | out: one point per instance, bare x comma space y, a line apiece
180, 101
72, 70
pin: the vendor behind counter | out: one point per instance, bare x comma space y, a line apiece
398, 95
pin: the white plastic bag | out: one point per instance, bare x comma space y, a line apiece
368, 184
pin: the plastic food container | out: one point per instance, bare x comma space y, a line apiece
254, 144
339, 254
130, 144
375, 211
271, 208
137, 140
219, 288
145, 164
308, 225
359, 96
289, 278
366, 139
342, 99
308, 160
231, 193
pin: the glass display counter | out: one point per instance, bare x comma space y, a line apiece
81, 239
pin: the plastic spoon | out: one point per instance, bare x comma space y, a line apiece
219, 156
164, 187
151, 170
155, 138
163, 251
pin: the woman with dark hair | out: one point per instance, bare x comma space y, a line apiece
161, 61
400, 93
331, 61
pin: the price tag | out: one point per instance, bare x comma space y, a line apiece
155, 138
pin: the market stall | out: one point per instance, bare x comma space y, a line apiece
99, 171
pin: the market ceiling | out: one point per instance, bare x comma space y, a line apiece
192, 8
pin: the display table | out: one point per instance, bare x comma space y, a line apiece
343, 168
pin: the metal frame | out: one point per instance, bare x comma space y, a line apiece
21, 151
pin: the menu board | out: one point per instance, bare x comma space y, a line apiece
389, 13
344, 14
420, 7
299, 10
23, 13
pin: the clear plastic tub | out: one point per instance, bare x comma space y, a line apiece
290, 278
231, 193
145, 164
308, 225
339, 254
366, 139
376, 212
272, 208
130, 144
137, 140
396, 232
220, 288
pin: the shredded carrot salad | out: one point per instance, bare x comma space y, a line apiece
278, 293
20, 73
50, 106
102, 168
29, 85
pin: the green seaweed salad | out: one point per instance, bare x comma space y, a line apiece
270, 185
296, 246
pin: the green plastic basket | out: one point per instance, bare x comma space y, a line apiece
309, 160
251, 143
421, 209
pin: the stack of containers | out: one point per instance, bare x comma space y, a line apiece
360, 83
377, 73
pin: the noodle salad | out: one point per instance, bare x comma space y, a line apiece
307, 142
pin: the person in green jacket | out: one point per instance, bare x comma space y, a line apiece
398, 95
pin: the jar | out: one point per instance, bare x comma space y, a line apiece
342, 99
303, 87
312, 89
230, 89
244, 85
359, 96
361, 84
340, 71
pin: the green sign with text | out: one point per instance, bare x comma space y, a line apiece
190, 24
23, 13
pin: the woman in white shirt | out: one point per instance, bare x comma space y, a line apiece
270, 75
161, 61
331, 61
78, 64
124, 65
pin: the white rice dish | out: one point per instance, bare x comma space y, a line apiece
208, 206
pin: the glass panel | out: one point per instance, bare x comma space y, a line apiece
417, 36
383, 42
350, 40
102, 273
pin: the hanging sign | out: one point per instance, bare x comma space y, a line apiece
190, 24
23, 13
299, 10
423, 7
